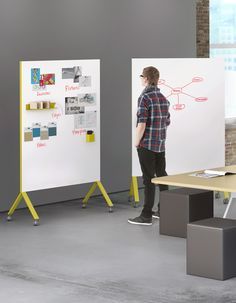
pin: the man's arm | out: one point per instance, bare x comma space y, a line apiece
140, 129
168, 120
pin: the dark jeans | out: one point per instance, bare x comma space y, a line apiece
152, 164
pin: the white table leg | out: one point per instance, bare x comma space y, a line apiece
233, 195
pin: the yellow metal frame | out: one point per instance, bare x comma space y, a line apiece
133, 193
22, 195
25, 197
103, 191
226, 195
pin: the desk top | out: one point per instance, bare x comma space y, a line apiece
222, 183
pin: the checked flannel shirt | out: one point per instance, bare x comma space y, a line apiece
153, 109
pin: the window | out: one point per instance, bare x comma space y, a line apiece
223, 44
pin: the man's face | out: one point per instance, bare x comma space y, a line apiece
144, 81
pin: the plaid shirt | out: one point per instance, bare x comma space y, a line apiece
153, 109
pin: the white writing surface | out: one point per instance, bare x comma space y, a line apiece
60, 103
195, 90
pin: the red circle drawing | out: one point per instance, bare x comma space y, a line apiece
178, 106
201, 99
197, 79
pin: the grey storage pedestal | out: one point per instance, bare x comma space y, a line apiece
211, 248
180, 206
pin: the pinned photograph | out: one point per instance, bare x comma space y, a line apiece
72, 73
77, 73
79, 121
86, 99
48, 79
71, 100
35, 75
91, 119
74, 110
85, 81
72, 107
68, 73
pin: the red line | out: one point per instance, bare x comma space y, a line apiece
188, 95
187, 84
168, 86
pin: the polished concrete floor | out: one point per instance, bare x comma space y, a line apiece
90, 255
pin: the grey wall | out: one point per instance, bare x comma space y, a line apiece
111, 30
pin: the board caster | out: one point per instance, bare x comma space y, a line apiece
226, 201
217, 195
36, 222
9, 218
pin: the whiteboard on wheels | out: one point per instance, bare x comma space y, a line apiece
195, 90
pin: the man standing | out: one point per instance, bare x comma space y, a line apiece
153, 117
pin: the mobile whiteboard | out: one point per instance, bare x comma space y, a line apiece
60, 123
195, 90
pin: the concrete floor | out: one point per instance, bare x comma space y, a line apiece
89, 255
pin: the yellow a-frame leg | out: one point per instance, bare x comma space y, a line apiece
25, 197
104, 193
133, 193
22, 195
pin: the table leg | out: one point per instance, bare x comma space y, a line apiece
233, 195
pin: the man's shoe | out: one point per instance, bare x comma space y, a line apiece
156, 214
141, 221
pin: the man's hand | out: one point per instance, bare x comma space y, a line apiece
140, 129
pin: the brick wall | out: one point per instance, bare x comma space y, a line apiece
202, 34
202, 7
230, 141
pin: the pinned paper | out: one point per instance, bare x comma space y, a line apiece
44, 133
28, 134
36, 130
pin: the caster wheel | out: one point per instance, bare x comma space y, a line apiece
226, 201
135, 205
9, 218
36, 223
131, 199
111, 210
217, 195
84, 206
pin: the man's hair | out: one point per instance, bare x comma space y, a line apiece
152, 74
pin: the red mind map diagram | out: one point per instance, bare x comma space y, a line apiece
178, 91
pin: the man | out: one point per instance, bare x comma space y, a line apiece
153, 117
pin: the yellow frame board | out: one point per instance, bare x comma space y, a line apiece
24, 196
